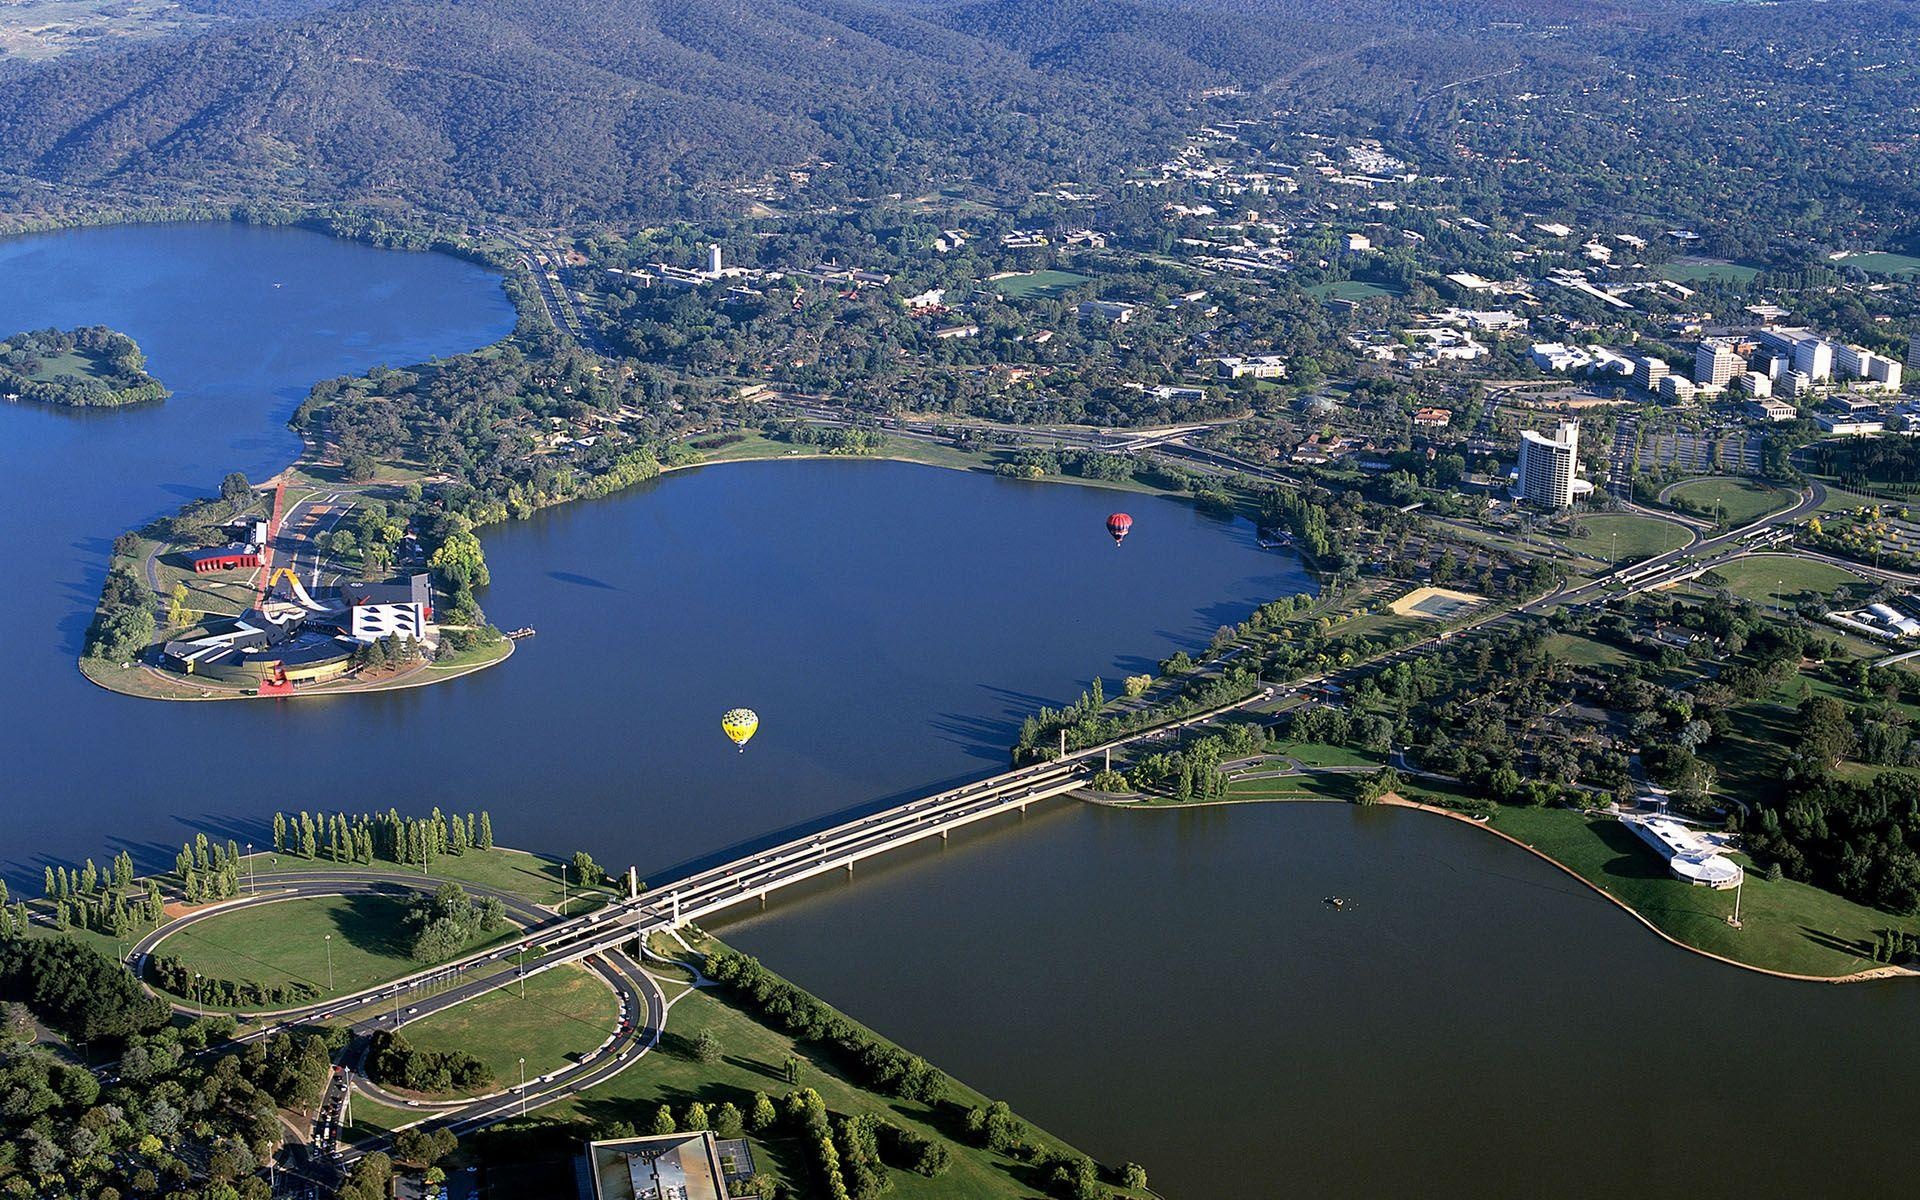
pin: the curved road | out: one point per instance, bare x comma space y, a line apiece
643, 1003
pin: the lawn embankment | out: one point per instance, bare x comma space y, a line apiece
521, 873
1731, 500
753, 1058
1786, 927
1781, 579
565, 1013
1614, 538
290, 941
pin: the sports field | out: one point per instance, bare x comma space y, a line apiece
1881, 262
1039, 285
1435, 603
1708, 270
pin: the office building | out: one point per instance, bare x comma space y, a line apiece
1648, 372
1813, 357
1546, 468
1715, 363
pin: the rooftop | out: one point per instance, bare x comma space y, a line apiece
675, 1166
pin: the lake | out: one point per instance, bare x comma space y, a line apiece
1163, 986
892, 624
1170, 987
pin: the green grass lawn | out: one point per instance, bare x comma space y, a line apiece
527, 875
1586, 651
566, 1012
1881, 262
1779, 578
1628, 536
752, 1055
1351, 289
1786, 926
1704, 270
1317, 754
1295, 787
288, 941
1039, 285
371, 1120
1731, 500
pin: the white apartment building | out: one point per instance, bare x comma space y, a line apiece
1545, 474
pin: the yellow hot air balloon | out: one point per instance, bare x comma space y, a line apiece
739, 724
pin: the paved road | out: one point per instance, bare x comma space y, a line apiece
643, 1004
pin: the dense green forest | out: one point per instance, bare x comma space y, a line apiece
565, 113
91, 367
184, 1114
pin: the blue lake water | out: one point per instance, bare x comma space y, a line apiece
891, 623
1165, 987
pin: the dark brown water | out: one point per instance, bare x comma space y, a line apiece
1171, 988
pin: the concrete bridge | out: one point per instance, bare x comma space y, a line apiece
597, 938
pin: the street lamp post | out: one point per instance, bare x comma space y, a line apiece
563, 889
199, 996
252, 888
523, 970
329, 938
523, 1087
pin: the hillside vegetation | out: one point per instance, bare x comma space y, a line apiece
562, 111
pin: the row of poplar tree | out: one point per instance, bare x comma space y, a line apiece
363, 837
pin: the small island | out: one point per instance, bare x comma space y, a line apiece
89, 367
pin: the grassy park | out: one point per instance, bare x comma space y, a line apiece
1882, 262
752, 1060
1039, 285
1289, 787
292, 940
1319, 754
1709, 270
1625, 537
1785, 926
565, 1013
1730, 500
1781, 579
1352, 289
529, 876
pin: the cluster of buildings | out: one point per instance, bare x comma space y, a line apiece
742, 280
1796, 362
1877, 620
289, 637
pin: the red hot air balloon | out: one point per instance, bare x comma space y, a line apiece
1118, 525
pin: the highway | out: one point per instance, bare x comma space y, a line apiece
598, 938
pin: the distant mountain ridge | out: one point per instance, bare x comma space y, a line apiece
556, 110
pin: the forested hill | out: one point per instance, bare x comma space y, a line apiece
562, 109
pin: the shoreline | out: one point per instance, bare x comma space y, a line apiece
1394, 800
396, 683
